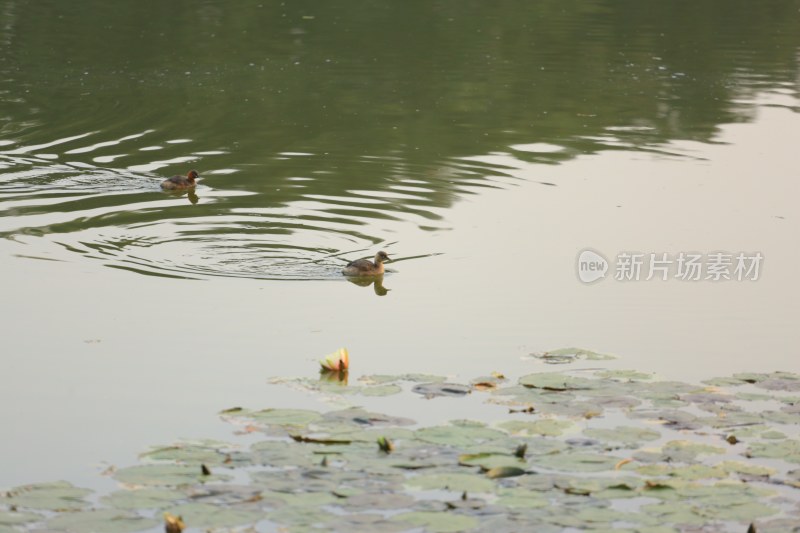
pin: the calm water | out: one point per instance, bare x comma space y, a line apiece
482, 145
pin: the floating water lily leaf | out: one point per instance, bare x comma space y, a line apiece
686, 451
10, 518
570, 355
624, 434
624, 375
204, 452
357, 417
488, 461
164, 475
690, 472
56, 496
377, 501
437, 522
554, 381
202, 515
456, 482
285, 417
381, 390
277, 453
787, 449
675, 512
518, 497
142, 498
414, 378
102, 521
739, 467
432, 390
459, 436
576, 462
545, 427
504, 471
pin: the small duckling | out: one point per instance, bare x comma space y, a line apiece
180, 183
365, 267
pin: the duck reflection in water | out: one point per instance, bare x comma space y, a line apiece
190, 194
366, 281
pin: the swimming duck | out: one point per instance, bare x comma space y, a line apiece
178, 183
365, 267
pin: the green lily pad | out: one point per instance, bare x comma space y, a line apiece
456, 482
505, 471
576, 462
164, 475
102, 521
519, 497
624, 434
570, 355
142, 499
689, 472
381, 390
437, 522
490, 460
546, 427
459, 436
10, 518
284, 417
201, 515
556, 381
204, 452
414, 378
739, 467
786, 449
432, 390
58, 496
624, 375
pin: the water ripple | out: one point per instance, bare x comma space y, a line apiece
300, 215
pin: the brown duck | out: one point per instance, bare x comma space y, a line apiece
180, 183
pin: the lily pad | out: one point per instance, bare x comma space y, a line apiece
624, 434
432, 390
545, 427
459, 436
437, 522
570, 355
381, 390
164, 475
10, 518
576, 462
58, 496
205, 452
556, 381
102, 521
456, 482
201, 515
505, 471
786, 449
142, 498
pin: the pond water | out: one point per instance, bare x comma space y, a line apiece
482, 145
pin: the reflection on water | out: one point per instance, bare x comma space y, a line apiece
312, 145
375, 281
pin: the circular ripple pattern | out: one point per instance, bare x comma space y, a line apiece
289, 215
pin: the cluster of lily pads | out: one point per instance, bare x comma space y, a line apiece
600, 450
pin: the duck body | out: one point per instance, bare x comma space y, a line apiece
365, 267
180, 183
